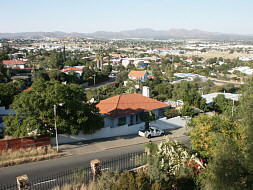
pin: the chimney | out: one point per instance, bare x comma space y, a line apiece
145, 91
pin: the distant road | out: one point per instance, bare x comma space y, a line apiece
110, 81
217, 81
49, 167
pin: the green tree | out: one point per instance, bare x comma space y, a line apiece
122, 76
147, 117
246, 120
188, 92
231, 165
3, 55
54, 61
206, 129
34, 111
5, 74
7, 93
187, 111
223, 105
162, 91
226, 169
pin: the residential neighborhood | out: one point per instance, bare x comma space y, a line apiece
126, 95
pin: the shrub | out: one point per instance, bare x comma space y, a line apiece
171, 113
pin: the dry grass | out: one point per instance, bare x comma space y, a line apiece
13, 157
224, 54
91, 186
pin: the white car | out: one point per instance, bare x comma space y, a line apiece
151, 132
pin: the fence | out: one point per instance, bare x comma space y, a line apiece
26, 142
83, 175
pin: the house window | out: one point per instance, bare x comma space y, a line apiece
121, 121
137, 120
161, 112
132, 119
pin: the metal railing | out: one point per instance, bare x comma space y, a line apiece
83, 175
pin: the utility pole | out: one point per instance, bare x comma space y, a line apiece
233, 108
55, 128
64, 53
94, 75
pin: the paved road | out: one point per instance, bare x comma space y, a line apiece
50, 167
224, 81
102, 84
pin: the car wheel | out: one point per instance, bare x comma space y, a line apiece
149, 136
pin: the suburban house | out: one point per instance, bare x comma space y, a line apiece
122, 117
77, 69
125, 109
15, 64
140, 75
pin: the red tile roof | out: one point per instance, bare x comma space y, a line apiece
151, 77
71, 69
137, 74
14, 62
126, 104
27, 89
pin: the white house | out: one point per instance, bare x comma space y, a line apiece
20, 64
246, 70
77, 69
121, 117
140, 75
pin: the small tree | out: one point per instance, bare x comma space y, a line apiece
170, 164
171, 113
187, 111
205, 130
35, 114
147, 117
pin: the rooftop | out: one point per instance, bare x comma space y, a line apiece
209, 97
126, 104
137, 74
71, 69
14, 62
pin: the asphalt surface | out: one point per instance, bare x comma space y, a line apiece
45, 168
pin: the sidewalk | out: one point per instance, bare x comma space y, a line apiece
81, 148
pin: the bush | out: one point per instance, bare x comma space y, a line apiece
188, 111
171, 113
125, 180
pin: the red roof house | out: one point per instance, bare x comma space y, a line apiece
15, 63
79, 71
138, 75
127, 107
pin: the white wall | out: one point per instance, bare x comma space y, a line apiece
162, 123
102, 133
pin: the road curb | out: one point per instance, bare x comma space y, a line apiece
114, 147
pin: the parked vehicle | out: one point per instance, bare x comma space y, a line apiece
151, 132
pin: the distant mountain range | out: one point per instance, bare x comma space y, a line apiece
144, 33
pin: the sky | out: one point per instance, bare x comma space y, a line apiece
226, 16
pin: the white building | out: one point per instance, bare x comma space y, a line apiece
245, 70
210, 97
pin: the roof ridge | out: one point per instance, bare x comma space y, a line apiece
118, 102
